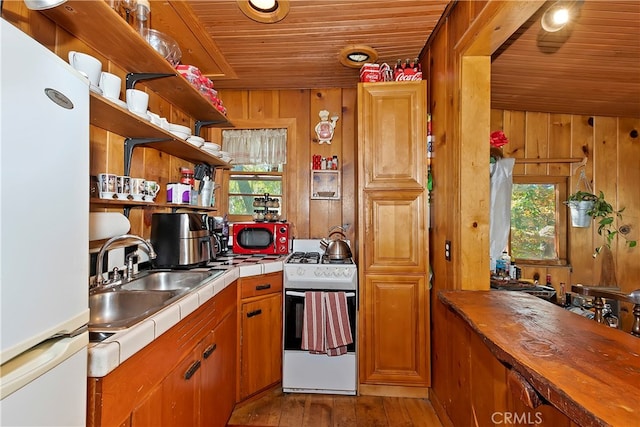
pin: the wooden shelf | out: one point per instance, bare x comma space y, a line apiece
106, 203
550, 160
100, 27
111, 117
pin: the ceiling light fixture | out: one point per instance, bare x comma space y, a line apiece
354, 56
43, 4
265, 11
557, 16
264, 6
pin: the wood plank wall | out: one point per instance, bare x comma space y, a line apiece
310, 218
613, 166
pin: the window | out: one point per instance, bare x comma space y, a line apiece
248, 182
539, 220
259, 157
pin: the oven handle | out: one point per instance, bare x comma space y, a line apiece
301, 294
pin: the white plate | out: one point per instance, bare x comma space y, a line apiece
179, 128
143, 116
196, 139
212, 145
179, 134
212, 152
194, 143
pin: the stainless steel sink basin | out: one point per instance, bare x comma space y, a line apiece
122, 306
118, 309
168, 280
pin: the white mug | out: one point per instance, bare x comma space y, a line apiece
107, 183
151, 188
110, 85
87, 65
137, 101
123, 187
138, 188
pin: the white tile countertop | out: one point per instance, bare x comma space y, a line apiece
107, 355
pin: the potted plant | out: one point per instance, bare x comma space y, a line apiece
580, 204
607, 218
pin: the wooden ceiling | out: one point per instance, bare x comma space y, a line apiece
591, 67
301, 51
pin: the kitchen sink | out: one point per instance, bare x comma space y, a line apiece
123, 305
168, 280
118, 309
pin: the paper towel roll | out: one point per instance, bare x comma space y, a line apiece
104, 225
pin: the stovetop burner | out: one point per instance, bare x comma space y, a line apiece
327, 260
304, 258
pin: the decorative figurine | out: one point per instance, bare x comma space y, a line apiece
324, 128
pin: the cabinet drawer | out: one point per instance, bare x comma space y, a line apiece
260, 285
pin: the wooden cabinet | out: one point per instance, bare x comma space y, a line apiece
260, 320
186, 377
393, 248
218, 382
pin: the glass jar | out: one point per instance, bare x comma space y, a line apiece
187, 177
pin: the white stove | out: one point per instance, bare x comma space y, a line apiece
307, 270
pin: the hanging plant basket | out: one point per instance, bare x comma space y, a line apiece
579, 216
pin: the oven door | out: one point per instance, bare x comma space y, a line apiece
294, 317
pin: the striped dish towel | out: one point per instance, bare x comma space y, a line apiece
326, 328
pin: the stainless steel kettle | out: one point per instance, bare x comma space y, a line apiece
336, 248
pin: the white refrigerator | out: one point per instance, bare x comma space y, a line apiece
44, 217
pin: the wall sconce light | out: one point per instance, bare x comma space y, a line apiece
324, 128
557, 16
265, 11
43, 4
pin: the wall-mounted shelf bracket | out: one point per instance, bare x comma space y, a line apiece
130, 144
200, 123
133, 78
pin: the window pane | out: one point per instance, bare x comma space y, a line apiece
533, 222
245, 187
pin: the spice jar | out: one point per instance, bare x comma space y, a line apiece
187, 177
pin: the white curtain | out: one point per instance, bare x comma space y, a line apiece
256, 146
500, 220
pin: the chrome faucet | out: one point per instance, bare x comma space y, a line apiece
99, 281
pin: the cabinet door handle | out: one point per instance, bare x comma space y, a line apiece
209, 350
192, 370
263, 287
254, 313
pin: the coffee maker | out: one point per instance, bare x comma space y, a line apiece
219, 241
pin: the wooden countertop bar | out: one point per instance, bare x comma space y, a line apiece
586, 370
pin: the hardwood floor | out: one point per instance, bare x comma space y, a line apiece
276, 408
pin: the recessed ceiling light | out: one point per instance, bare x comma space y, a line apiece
264, 6
265, 11
354, 56
556, 17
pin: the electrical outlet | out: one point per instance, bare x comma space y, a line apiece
447, 250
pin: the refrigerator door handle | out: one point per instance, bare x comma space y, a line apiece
22, 369
74, 333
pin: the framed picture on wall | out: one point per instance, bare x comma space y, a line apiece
325, 184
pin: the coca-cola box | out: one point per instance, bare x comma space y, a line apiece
370, 73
